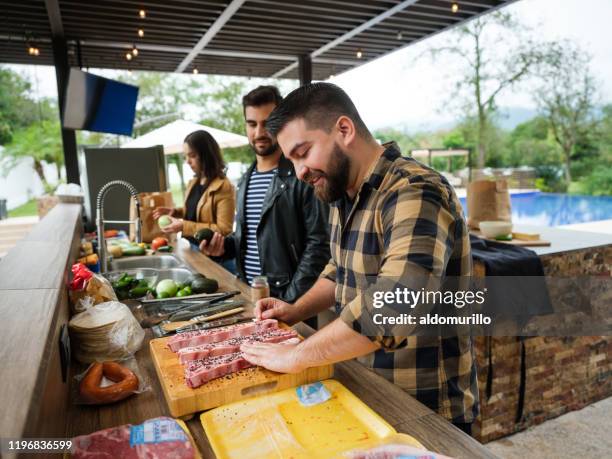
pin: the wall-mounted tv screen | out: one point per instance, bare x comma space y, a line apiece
95, 103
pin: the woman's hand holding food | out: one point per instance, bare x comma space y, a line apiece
159, 211
175, 226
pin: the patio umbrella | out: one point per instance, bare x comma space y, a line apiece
171, 136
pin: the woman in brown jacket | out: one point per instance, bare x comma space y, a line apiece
210, 199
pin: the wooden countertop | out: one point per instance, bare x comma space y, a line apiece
36, 403
32, 292
402, 411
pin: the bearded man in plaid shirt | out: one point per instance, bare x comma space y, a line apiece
393, 221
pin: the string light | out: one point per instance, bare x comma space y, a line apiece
359, 53
195, 71
128, 56
455, 7
399, 35
135, 51
129, 71
140, 33
142, 14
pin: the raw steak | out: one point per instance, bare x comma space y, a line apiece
115, 443
199, 372
199, 337
232, 345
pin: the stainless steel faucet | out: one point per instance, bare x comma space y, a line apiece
100, 218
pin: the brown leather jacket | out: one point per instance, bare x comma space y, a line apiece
215, 208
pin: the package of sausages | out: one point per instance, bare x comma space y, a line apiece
109, 382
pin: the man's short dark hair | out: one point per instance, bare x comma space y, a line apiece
320, 105
262, 95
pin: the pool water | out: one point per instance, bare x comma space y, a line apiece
554, 209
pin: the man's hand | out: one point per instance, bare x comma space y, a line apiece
273, 308
281, 357
214, 248
159, 211
174, 227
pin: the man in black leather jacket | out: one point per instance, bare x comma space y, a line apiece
281, 228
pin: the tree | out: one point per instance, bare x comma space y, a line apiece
531, 144
566, 97
486, 69
40, 142
17, 108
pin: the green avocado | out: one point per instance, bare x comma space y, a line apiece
205, 234
204, 285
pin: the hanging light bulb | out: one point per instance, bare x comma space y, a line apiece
195, 71
36, 51
140, 33
359, 53
135, 51
455, 7
31, 50
400, 36
128, 56
142, 14
129, 71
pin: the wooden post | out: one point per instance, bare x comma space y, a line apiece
305, 69
62, 71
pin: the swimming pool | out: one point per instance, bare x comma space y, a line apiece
554, 209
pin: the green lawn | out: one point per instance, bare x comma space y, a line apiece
25, 210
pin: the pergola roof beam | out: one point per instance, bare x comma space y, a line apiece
347, 36
55, 18
210, 33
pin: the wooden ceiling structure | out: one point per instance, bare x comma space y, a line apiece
258, 38
299, 39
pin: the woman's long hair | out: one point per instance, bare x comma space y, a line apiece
207, 148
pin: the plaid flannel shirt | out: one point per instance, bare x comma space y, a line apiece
406, 221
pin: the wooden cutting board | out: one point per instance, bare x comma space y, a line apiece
519, 242
184, 401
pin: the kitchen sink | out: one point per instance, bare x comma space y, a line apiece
178, 275
152, 261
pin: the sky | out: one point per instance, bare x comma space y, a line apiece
412, 92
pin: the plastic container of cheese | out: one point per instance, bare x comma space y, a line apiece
280, 425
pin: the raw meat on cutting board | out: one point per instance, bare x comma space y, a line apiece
199, 372
200, 337
232, 345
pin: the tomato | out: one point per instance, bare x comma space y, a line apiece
159, 242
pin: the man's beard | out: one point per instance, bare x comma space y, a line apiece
336, 180
268, 151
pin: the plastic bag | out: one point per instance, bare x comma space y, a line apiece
88, 289
107, 331
393, 447
130, 363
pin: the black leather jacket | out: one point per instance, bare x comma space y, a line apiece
293, 234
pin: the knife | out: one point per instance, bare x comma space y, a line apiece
174, 326
151, 321
187, 299
213, 324
205, 310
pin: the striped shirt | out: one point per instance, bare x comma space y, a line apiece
259, 182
